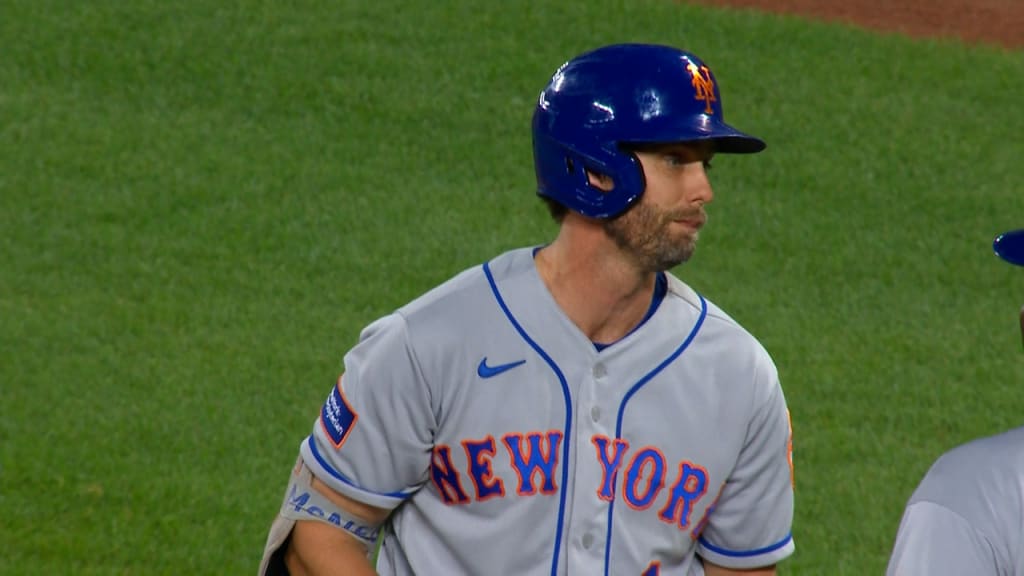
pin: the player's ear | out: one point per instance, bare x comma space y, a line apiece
602, 182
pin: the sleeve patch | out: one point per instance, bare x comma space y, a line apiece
336, 417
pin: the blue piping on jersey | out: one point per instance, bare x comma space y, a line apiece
568, 413
330, 470
622, 410
746, 553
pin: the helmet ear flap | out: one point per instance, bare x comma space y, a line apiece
562, 175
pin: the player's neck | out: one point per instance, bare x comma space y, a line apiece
601, 291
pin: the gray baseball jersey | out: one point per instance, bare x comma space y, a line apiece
967, 515
507, 443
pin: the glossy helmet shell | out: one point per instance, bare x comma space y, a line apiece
1010, 247
616, 96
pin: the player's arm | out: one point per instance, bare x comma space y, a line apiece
323, 549
749, 528
321, 532
368, 452
711, 569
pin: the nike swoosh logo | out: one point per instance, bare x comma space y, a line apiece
485, 371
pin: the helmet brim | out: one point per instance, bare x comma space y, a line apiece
729, 140
706, 128
1010, 247
738, 144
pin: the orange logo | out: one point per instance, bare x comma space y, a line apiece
703, 85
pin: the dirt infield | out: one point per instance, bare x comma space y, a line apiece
996, 22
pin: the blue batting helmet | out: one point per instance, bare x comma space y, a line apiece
616, 96
1010, 247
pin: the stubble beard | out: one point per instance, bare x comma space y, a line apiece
643, 233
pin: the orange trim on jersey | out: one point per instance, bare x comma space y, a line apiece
478, 462
789, 450
629, 493
445, 470
653, 569
606, 491
689, 490
355, 418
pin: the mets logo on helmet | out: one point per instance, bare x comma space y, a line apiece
703, 86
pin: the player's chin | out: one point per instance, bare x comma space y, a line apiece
669, 259
685, 245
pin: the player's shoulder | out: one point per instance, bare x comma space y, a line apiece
980, 482
456, 309
739, 361
718, 325
467, 289
991, 463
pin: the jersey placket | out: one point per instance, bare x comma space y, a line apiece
587, 528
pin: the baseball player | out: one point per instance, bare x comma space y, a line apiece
967, 515
572, 407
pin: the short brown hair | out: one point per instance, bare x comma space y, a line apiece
556, 209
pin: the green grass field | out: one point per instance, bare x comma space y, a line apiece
201, 204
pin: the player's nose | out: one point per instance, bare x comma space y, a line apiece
697, 186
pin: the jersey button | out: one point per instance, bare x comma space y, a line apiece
588, 540
595, 413
600, 371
